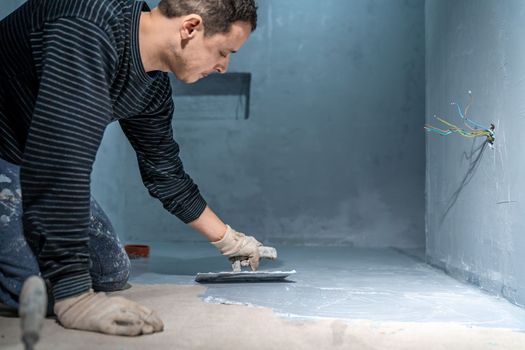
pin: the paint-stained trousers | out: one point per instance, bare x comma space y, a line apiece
109, 264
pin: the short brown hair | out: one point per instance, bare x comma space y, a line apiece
217, 15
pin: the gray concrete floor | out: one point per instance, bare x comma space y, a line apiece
338, 282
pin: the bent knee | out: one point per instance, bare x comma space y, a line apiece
111, 283
112, 275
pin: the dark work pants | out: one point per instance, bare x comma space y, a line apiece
109, 264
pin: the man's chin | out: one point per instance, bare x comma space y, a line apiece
191, 80
186, 79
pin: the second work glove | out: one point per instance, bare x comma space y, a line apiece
98, 312
243, 250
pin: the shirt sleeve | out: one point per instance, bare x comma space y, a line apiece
161, 168
71, 111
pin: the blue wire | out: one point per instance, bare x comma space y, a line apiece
479, 126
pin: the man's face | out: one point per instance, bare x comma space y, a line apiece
203, 55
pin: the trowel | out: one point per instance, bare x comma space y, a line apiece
238, 275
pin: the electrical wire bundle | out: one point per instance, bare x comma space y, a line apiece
475, 129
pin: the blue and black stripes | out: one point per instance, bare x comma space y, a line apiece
67, 69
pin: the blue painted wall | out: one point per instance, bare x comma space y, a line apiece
475, 196
7, 6
333, 151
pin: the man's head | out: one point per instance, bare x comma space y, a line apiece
207, 32
218, 15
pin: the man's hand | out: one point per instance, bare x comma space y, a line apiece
111, 315
243, 250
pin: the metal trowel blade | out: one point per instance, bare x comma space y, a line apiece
243, 276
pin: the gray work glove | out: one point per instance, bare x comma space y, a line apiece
98, 312
243, 250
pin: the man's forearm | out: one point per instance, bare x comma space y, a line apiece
209, 225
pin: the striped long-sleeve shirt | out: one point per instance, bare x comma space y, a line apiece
67, 69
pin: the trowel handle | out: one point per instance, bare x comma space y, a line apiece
236, 266
264, 252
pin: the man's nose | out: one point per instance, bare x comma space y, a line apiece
222, 67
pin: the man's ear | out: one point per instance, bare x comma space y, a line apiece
191, 24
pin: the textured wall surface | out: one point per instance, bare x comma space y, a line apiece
474, 194
333, 151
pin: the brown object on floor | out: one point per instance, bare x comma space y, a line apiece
137, 251
191, 323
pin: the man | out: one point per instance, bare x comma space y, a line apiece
67, 69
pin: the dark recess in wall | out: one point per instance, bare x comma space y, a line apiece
232, 84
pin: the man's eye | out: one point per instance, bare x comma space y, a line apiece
223, 54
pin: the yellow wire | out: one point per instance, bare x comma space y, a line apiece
454, 128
